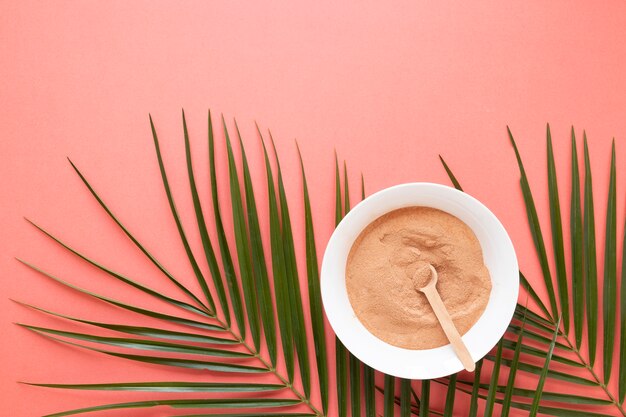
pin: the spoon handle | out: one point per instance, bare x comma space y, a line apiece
448, 327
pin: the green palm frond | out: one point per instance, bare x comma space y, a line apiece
249, 318
577, 242
550, 337
609, 295
295, 296
242, 244
622, 345
179, 226
589, 259
259, 266
535, 228
341, 368
389, 393
315, 296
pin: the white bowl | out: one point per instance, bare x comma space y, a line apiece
499, 257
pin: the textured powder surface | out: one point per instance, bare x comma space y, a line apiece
389, 256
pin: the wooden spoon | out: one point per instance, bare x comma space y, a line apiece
431, 293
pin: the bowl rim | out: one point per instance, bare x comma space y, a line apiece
428, 363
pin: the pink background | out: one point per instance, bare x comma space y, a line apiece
389, 86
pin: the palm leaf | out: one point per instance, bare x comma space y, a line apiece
534, 369
346, 190
137, 243
171, 361
610, 273
183, 237
251, 415
315, 297
362, 188
557, 233
152, 332
508, 394
355, 386
295, 296
535, 228
227, 261
354, 364
533, 294
553, 411
425, 399
187, 403
562, 357
523, 313
279, 273
405, 397
580, 250
130, 307
390, 385
175, 386
209, 253
495, 373
338, 200
369, 373
544, 374
622, 344
545, 396
523, 281
368, 391
141, 344
340, 351
556, 396
242, 243
473, 409
450, 396
125, 279
259, 267
413, 407
577, 239
455, 182
591, 282
539, 338
530, 350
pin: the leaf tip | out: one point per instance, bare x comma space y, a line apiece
298, 150
508, 130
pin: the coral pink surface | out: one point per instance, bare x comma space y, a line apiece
389, 86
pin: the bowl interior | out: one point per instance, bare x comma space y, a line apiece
499, 257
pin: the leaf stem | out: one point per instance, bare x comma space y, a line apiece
273, 370
594, 375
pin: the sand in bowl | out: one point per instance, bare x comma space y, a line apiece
383, 262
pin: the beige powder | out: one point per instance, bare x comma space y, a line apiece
386, 256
